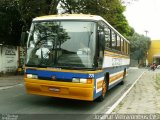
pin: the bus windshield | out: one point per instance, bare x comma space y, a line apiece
61, 44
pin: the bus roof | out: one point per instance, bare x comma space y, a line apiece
68, 17
76, 17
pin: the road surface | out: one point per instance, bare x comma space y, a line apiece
16, 103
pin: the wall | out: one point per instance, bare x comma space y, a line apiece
8, 59
154, 50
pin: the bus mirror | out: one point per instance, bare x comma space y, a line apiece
23, 38
101, 37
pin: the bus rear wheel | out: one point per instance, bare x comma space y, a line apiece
124, 75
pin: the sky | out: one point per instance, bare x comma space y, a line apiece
144, 15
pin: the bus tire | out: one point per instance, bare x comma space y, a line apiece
124, 75
104, 90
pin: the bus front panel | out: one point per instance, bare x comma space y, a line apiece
60, 84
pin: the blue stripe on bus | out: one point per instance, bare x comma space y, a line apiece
58, 75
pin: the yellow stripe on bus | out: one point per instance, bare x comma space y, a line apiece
99, 84
113, 78
116, 55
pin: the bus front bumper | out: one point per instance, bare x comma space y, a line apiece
68, 90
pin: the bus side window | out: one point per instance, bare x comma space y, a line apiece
122, 45
114, 41
107, 33
128, 48
125, 47
118, 43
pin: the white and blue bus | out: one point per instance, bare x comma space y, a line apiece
74, 56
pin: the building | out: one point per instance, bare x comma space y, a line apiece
154, 52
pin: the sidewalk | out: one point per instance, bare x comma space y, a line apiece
11, 80
144, 98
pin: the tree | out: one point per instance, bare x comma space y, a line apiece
17, 15
29, 9
52, 6
111, 10
115, 17
9, 23
139, 45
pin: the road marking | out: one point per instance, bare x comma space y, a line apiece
7, 87
122, 97
133, 68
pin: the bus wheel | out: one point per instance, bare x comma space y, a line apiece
104, 90
124, 75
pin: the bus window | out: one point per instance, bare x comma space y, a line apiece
118, 43
107, 33
128, 49
113, 40
125, 47
122, 45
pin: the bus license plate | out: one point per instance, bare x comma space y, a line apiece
54, 89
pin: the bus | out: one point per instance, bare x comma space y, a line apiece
74, 56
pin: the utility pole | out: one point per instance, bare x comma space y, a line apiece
146, 31
146, 54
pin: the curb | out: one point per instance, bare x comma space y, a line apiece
122, 97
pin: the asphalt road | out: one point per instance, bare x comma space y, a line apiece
16, 103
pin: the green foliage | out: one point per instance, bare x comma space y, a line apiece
116, 18
139, 46
29, 9
52, 6
9, 22
111, 10
16, 15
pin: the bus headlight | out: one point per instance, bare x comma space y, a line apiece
32, 76
75, 80
82, 80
